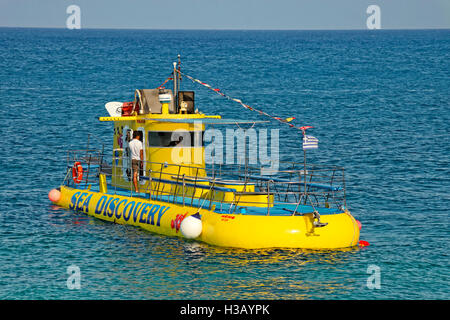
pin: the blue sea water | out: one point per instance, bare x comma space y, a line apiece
379, 102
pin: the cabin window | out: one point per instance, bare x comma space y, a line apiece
175, 138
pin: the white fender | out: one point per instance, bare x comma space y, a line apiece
191, 227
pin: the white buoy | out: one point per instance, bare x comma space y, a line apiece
191, 227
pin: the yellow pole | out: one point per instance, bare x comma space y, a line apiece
102, 183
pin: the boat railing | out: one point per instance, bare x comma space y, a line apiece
228, 188
92, 161
293, 183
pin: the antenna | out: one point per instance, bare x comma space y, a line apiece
179, 73
176, 80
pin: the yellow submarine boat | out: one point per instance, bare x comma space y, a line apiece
301, 206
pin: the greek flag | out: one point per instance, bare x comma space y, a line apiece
310, 142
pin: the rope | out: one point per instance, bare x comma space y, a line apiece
210, 189
237, 124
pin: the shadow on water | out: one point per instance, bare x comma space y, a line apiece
143, 265
273, 273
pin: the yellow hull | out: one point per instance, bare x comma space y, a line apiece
226, 230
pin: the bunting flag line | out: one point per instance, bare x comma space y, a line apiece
162, 85
218, 91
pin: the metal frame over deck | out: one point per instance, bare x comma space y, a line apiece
239, 189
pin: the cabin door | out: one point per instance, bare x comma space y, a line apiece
127, 136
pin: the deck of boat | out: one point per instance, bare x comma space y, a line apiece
278, 208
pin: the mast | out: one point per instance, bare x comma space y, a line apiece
176, 81
175, 86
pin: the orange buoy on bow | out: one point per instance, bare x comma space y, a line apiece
77, 172
54, 195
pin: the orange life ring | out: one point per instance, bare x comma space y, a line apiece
77, 172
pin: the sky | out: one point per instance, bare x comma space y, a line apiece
227, 14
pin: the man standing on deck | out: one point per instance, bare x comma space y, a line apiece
137, 156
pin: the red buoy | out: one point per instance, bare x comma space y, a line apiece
363, 243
